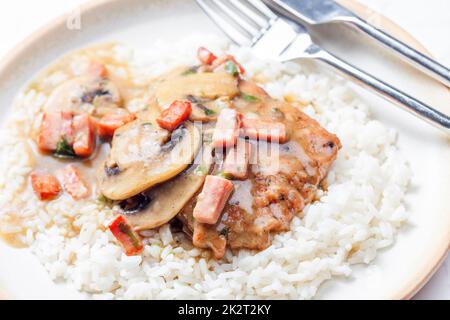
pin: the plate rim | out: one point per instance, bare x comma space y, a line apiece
422, 277
409, 290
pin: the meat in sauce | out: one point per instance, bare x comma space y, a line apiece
211, 150
278, 192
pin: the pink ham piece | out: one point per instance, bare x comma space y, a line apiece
205, 56
73, 182
237, 161
45, 185
211, 201
55, 126
226, 132
97, 68
264, 130
85, 135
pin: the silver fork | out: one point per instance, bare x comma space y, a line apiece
314, 13
252, 23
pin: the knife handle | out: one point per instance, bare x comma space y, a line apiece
385, 90
414, 57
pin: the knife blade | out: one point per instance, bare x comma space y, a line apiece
314, 12
310, 11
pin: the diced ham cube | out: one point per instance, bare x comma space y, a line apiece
212, 200
110, 122
128, 239
85, 135
205, 56
73, 182
264, 130
226, 132
45, 185
97, 68
175, 115
67, 130
55, 126
237, 161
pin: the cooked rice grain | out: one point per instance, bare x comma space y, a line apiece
359, 214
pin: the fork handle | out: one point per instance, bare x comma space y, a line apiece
409, 103
414, 57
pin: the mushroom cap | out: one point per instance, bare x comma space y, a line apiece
166, 200
201, 85
144, 155
87, 93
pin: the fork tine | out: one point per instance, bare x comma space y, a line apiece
229, 29
247, 27
255, 17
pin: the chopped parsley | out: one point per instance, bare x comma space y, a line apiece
224, 232
201, 170
209, 112
64, 150
105, 201
206, 110
192, 98
190, 71
249, 98
224, 175
127, 230
231, 68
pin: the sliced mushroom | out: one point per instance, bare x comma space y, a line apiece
167, 199
200, 85
143, 155
92, 94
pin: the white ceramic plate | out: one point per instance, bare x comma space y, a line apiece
398, 272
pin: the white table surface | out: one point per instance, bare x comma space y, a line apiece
428, 21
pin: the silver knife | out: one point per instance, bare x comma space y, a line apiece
314, 12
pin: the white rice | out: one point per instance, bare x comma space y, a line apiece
358, 215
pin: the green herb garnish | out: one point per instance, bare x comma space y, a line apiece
209, 112
231, 68
147, 124
127, 230
249, 98
206, 110
64, 150
191, 70
201, 170
188, 72
224, 232
105, 201
224, 175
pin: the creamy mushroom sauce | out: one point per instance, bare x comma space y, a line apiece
133, 92
266, 202
125, 91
